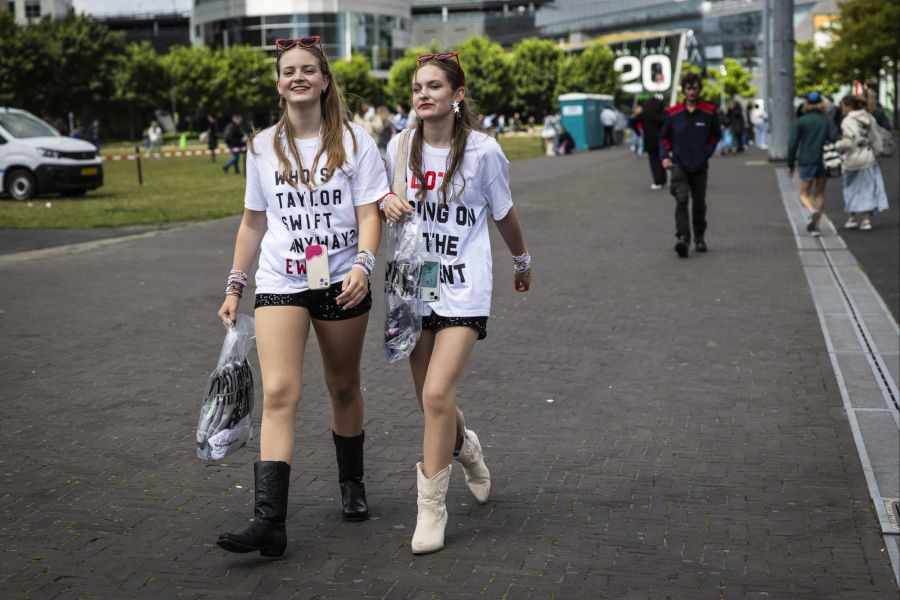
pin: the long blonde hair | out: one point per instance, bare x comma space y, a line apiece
463, 124
335, 119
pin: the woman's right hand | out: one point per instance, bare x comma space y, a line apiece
395, 209
228, 312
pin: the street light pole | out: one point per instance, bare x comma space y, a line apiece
782, 78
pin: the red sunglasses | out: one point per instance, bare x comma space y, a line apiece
285, 44
445, 56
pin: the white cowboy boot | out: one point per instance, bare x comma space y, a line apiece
432, 518
472, 459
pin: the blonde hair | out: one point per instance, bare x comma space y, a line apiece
335, 120
463, 124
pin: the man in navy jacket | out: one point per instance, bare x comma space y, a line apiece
688, 139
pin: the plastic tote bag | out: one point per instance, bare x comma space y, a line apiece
226, 416
403, 308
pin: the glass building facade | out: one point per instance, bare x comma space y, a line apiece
381, 37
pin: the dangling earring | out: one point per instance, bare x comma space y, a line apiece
455, 106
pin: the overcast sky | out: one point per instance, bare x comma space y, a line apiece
118, 7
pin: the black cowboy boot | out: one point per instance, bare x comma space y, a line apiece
266, 532
349, 452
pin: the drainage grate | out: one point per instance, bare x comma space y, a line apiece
892, 510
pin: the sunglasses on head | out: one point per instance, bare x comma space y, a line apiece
285, 44
445, 56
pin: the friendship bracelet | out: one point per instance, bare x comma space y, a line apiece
365, 261
522, 263
234, 289
237, 281
382, 199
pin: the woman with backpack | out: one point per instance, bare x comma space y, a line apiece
861, 144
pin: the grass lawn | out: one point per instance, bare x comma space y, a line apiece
175, 189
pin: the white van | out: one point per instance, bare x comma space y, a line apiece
35, 158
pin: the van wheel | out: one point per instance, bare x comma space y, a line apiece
20, 184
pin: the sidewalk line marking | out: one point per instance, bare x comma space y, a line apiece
54, 251
791, 206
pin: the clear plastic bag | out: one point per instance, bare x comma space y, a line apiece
226, 415
403, 309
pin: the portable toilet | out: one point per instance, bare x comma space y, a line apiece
580, 115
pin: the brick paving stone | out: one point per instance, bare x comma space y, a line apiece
696, 445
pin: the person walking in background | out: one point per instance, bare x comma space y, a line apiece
475, 181
154, 138
383, 114
93, 133
637, 139
863, 182
313, 184
736, 123
649, 123
689, 138
234, 140
760, 120
400, 120
808, 135
608, 118
212, 137
366, 118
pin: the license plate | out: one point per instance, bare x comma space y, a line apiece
89, 171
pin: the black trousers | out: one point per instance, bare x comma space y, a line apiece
687, 186
656, 168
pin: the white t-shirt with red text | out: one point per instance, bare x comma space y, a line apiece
457, 232
297, 217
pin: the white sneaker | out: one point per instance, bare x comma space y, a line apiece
852, 224
865, 226
655, 186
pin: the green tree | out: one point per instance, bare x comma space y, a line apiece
136, 77
811, 70
719, 87
590, 72
535, 68
867, 39
193, 81
356, 80
487, 71
246, 78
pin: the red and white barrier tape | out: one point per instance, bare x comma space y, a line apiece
171, 154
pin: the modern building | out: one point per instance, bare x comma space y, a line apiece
721, 28
449, 22
162, 30
378, 29
29, 11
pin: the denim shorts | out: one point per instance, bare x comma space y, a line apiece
808, 172
320, 303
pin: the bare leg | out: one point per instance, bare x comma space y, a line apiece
281, 333
819, 200
418, 363
803, 191
341, 344
450, 349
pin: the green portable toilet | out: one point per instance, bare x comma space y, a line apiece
580, 115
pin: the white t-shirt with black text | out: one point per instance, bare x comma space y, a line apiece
458, 231
297, 217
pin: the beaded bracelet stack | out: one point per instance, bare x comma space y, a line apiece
237, 281
522, 263
365, 262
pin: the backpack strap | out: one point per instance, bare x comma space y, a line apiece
398, 184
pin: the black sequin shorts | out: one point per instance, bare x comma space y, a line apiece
436, 322
320, 303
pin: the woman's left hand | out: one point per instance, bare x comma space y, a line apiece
355, 287
522, 280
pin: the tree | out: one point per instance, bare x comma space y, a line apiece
356, 80
137, 75
247, 77
487, 72
193, 80
535, 67
719, 87
811, 70
590, 72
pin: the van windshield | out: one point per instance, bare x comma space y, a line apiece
25, 126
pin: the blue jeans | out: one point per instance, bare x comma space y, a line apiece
234, 160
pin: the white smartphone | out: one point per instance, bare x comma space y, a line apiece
317, 274
430, 279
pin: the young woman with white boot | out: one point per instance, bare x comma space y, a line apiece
455, 175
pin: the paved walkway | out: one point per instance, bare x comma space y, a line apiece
656, 427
